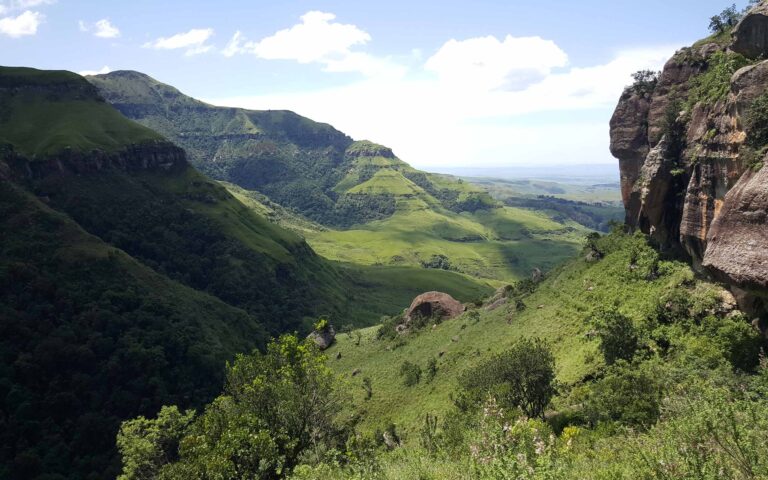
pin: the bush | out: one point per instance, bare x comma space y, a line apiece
275, 406
431, 369
715, 83
726, 20
521, 377
411, 373
618, 338
756, 123
628, 394
645, 81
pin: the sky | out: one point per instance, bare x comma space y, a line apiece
446, 84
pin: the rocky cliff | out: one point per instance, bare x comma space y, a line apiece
691, 144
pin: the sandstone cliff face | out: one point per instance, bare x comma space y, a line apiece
685, 174
145, 156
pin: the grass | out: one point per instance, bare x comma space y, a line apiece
557, 312
608, 193
501, 244
77, 120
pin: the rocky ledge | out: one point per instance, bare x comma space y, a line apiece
689, 176
145, 156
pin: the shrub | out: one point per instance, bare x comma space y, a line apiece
411, 373
521, 377
431, 369
756, 123
645, 81
628, 394
275, 406
617, 334
714, 84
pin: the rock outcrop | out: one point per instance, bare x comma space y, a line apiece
750, 38
686, 177
436, 305
158, 155
323, 338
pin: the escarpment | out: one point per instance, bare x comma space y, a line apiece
690, 146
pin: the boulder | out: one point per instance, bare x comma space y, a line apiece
324, 338
736, 252
434, 304
750, 37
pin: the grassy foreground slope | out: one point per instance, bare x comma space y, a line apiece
557, 312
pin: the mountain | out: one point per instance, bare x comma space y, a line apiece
691, 146
127, 278
374, 208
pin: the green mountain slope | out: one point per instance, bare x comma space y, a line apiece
557, 311
377, 209
127, 278
89, 337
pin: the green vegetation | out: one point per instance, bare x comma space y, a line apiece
645, 81
354, 202
121, 291
274, 408
714, 84
605, 194
77, 121
725, 21
90, 336
688, 402
520, 377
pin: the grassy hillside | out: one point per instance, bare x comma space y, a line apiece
126, 281
89, 336
77, 120
374, 208
557, 312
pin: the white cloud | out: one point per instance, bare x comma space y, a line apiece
105, 69
315, 39
555, 116
24, 24
234, 46
194, 41
105, 29
488, 63
318, 39
102, 28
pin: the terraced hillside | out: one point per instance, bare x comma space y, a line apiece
354, 201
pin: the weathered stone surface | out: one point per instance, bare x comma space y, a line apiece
750, 37
736, 251
323, 339
673, 84
434, 304
629, 139
145, 156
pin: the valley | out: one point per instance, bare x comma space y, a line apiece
198, 292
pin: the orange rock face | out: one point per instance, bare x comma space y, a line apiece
434, 304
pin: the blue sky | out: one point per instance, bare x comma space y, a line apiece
444, 83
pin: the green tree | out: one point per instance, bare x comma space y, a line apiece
617, 334
725, 20
146, 445
521, 377
275, 406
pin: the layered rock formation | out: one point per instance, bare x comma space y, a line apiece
687, 178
